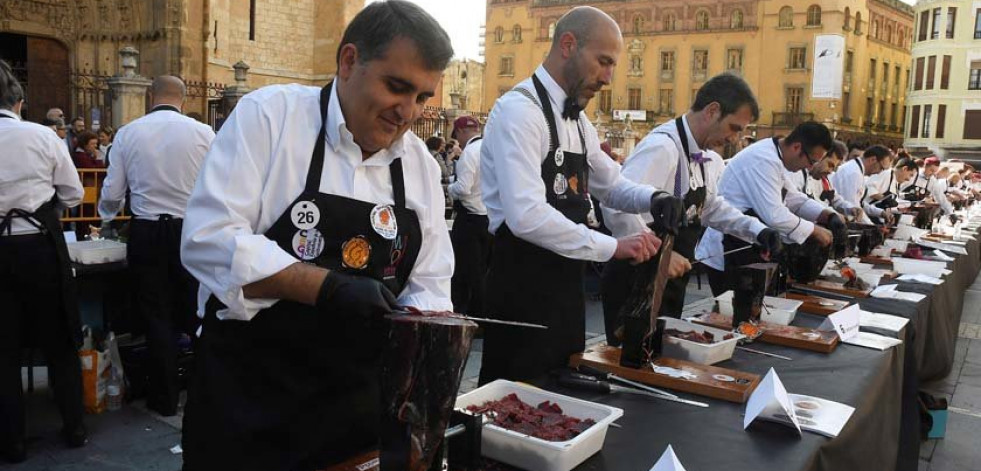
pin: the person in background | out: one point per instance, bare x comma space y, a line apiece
75, 128
36, 280
471, 241
450, 155
55, 113
436, 146
87, 152
159, 172
855, 150
816, 184
849, 180
105, 142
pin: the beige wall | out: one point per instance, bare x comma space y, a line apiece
464, 77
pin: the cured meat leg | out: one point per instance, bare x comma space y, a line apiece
422, 365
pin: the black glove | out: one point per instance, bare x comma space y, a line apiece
954, 219
667, 212
838, 228
769, 239
827, 195
355, 296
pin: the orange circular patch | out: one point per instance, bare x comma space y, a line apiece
356, 252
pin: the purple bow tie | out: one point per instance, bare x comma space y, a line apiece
699, 157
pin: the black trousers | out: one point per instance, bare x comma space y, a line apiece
31, 314
166, 298
471, 249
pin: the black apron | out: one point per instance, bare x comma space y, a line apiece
620, 279
915, 192
295, 388
46, 219
531, 284
471, 251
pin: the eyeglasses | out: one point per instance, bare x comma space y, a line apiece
810, 161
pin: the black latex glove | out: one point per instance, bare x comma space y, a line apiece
838, 228
667, 212
769, 239
827, 195
954, 219
355, 296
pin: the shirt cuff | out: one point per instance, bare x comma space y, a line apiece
606, 247
423, 302
255, 258
801, 232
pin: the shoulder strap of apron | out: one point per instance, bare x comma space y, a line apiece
683, 137
803, 188
316, 169
546, 105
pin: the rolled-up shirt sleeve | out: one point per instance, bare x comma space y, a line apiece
219, 244
939, 192
771, 209
608, 185
512, 151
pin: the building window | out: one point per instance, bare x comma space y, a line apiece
927, 112
736, 19
869, 111
702, 20
606, 101
887, 36
918, 83
881, 116
638, 24
951, 18
896, 80
666, 101
914, 124
935, 30
499, 35
848, 19
874, 32
251, 20
972, 124
636, 65
849, 58
786, 17
506, 66
858, 22
669, 22
798, 58
634, 99
700, 64
516, 33
974, 79
871, 76
814, 15
885, 78
892, 114
977, 24
734, 60
924, 25
667, 61
945, 73
941, 120
846, 105
931, 71
551, 30
795, 97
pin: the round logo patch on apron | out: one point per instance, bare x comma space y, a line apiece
383, 221
308, 244
559, 157
305, 215
356, 252
560, 184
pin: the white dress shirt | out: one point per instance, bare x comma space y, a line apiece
654, 162
850, 182
34, 166
257, 167
879, 184
157, 157
754, 179
516, 141
466, 187
815, 187
938, 190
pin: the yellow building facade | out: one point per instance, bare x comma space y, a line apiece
945, 98
671, 47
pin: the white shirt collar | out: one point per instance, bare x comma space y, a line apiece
555, 92
692, 145
10, 113
338, 134
478, 136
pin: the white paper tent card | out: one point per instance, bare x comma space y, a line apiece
845, 322
883, 323
890, 292
668, 462
770, 400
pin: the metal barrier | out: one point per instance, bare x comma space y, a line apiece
88, 210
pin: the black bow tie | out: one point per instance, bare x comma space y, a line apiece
571, 109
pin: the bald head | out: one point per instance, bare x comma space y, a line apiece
167, 90
584, 23
584, 52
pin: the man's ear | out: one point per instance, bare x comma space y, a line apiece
347, 59
568, 44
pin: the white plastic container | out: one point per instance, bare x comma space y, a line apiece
776, 310
91, 252
906, 266
535, 454
703, 354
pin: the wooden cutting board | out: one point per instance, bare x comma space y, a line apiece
786, 335
877, 260
818, 305
833, 287
365, 462
735, 386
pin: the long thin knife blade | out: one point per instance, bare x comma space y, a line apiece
641, 386
499, 321
740, 249
761, 352
658, 396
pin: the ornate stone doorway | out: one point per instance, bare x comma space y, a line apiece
41, 64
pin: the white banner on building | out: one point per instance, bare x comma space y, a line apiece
829, 65
635, 115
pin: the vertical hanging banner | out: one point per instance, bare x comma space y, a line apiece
829, 64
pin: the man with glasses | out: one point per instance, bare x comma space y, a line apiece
816, 185
850, 181
755, 182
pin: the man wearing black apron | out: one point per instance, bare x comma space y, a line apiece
36, 281
815, 184
158, 173
755, 182
315, 215
677, 157
471, 241
540, 162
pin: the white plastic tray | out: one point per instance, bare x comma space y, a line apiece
91, 252
777, 310
535, 454
703, 354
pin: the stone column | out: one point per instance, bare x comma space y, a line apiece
128, 89
233, 93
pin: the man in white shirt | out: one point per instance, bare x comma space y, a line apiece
38, 181
918, 187
471, 241
157, 158
816, 185
540, 163
883, 188
849, 180
688, 168
755, 182
316, 214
